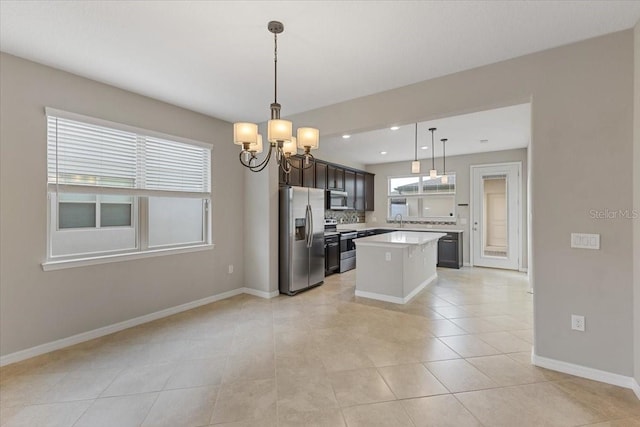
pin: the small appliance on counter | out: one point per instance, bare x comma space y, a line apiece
301, 238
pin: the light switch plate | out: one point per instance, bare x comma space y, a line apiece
585, 241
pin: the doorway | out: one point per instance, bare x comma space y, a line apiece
496, 215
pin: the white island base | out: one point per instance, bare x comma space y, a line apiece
394, 267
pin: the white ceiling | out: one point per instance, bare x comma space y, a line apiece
215, 57
502, 129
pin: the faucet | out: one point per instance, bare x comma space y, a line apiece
396, 219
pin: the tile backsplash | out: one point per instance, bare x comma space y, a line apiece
345, 217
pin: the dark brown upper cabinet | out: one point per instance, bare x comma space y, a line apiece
321, 175
335, 178
350, 187
369, 192
309, 174
359, 203
294, 177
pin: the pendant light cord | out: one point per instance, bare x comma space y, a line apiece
416, 145
433, 160
444, 158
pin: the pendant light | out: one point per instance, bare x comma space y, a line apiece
433, 173
445, 178
415, 165
279, 132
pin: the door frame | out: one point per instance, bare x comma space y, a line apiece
472, 208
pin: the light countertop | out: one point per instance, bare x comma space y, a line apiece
407, 227
411, 227
403, 238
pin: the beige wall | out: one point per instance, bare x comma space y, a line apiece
636, 199
37, 307
461, 166
261, 229
582, 124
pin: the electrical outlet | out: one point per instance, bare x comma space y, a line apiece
230, 268
577, 323
387, 256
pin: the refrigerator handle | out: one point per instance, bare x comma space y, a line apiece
310, 226
307, 220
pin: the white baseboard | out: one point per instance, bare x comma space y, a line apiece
467, 264
116, 327
523, 270
397, 300
585, 372
261, 294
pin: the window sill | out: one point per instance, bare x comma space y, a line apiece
105, 259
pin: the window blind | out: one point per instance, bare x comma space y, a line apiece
90, 156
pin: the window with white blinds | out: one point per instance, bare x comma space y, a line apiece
85, 154
118, 191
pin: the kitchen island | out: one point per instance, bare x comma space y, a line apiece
395, 266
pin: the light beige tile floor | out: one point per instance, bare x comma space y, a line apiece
457, 355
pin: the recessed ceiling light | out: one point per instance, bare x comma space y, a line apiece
484, 141
345, 136
424, 147
394, 127
383, 152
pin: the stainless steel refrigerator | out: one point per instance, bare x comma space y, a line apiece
301, 238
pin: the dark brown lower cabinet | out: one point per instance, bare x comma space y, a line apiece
450, 250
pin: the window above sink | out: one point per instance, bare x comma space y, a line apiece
422, 198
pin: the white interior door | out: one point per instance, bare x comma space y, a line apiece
495, 215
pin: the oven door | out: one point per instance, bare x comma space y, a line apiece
346, 242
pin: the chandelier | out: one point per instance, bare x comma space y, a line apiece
279, 132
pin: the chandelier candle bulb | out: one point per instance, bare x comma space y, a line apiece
308, 137
279, 130
245, 133
289, 147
